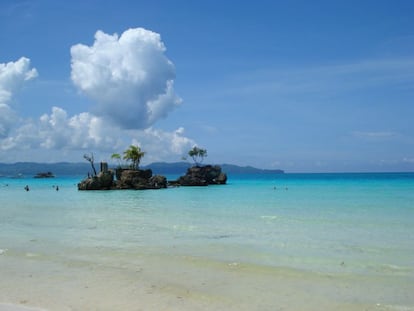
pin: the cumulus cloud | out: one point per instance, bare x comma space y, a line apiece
7, 119
84, 131
57, 130
160, 145
128, 77
131, 82
12, 77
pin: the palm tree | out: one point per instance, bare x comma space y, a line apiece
116, 156
134, 154
198, 154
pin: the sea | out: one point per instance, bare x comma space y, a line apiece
352, 231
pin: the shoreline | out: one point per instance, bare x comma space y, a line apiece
326, 244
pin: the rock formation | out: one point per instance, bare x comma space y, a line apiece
202, 176
140, 180
102, 181
143, 179
126, 179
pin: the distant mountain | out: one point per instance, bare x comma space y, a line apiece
235, 169
69, 169
28, 169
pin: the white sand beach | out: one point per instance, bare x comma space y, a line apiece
186, 283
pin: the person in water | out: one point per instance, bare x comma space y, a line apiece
26, 188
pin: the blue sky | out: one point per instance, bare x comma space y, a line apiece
305, 86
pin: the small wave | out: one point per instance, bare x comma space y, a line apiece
184, 228
394, 269
219, 237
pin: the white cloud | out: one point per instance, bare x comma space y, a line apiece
408, 160
85, 132
128, 76
57, 130
12, 77
374, 136
161, 145
7, 119
132, 83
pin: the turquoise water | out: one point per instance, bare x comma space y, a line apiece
326, 223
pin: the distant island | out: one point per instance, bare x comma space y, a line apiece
44, 175
81, 169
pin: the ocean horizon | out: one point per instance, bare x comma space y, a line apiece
293, 241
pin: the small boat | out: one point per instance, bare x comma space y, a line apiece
44, 175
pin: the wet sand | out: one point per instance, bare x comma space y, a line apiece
14, 307
144, 282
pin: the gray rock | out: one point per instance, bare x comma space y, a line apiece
140, 180
126, 179
202, 176
103, 181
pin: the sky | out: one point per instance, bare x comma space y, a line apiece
303, 86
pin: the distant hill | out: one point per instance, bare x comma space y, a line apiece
28, 169
67, 169
235, 169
